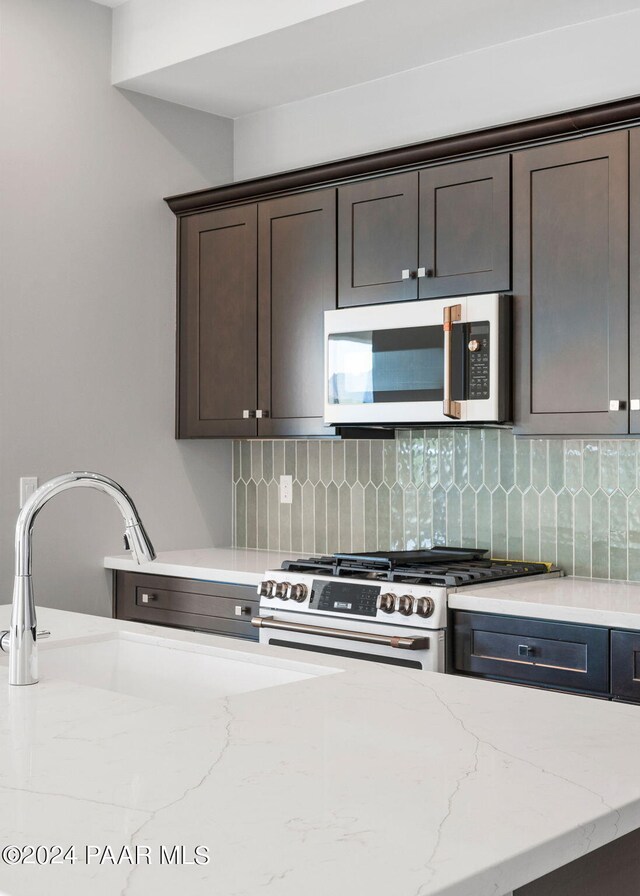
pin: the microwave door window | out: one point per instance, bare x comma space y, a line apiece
408, 364
382, 366
350, 368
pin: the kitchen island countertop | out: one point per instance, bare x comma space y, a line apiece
371, 779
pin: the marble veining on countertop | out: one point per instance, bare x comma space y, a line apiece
372, 779
566, 599
242, 566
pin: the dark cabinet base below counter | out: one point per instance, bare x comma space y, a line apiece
532, 651
588, 659
215, 607
613, 868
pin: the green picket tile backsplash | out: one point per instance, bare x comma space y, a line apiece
575, 503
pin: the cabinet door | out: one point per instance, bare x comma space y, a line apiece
465, 228
297, 284
625, 665
378, 240
217, 351
634, 281
570, 278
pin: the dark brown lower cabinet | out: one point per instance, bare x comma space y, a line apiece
613, 868
215, 607
625, 666
565, 656
534, 652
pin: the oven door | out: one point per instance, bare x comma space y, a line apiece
434, 361
408, 647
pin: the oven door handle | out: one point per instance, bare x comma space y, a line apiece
450, 314
398, 642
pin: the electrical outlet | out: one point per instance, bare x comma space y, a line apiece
28, 485
286, 489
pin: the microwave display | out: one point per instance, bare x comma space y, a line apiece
375, 366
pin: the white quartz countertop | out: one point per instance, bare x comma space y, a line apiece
568, 599
373, 779
241, 566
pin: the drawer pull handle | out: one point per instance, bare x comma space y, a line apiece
525, 650
146, 598
242, 611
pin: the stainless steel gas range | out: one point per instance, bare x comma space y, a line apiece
386, 606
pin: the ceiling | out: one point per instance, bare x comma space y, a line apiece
360, 42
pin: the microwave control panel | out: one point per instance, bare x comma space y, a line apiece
478, 348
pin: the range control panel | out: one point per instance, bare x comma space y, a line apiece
478, 333
344, 597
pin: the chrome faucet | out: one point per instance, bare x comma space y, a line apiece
21, 640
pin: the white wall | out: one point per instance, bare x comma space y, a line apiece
554, 71
87, 300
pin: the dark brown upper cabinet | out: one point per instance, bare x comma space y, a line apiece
438, 232
571, 299
217, 341
296, 285
634, 280
378, 240
255, 281
465, 212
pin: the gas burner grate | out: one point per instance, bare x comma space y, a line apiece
411, 568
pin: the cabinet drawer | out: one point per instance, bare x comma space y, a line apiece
186, 603
625, 665
572, 657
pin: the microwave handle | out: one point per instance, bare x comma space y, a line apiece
451, 314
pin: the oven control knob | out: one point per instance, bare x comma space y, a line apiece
425, 606
386, 603
297, 592
405, 605
266, 588
474, 345
281, 589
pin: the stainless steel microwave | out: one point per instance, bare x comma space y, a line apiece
433, 361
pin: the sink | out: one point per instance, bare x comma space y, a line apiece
167, 671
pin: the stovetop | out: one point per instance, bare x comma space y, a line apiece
439, 566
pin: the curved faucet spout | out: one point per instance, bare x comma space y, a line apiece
22, 638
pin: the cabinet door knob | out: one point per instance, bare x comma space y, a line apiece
262, 414
147, 598
635, 404
525, 650
406, 274
247, 415
422, 272
615, 405
242, 611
